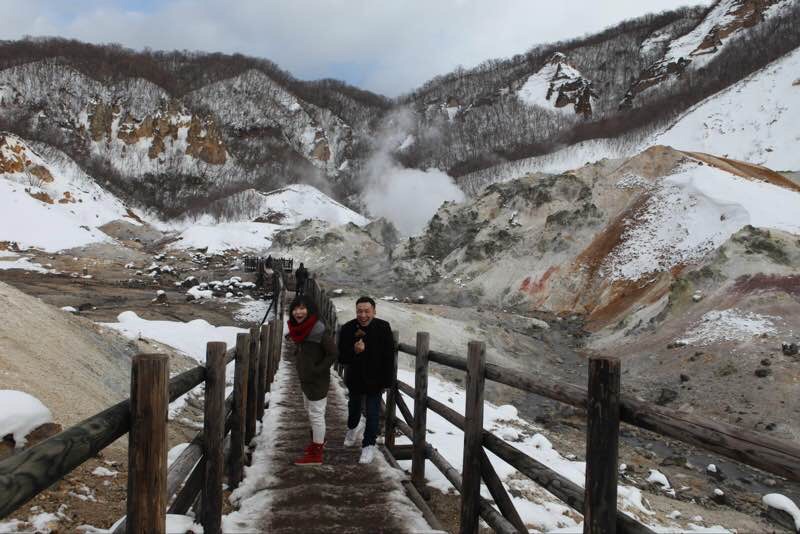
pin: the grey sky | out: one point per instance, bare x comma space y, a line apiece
386, 47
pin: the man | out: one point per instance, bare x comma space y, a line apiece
300, 277
366, 346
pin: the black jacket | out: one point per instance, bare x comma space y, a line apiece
372, 370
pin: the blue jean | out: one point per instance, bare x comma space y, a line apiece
373, 406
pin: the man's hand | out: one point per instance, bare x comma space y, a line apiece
359, 346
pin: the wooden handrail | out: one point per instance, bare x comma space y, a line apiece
486, 510
26, 474
769, 454
567, 491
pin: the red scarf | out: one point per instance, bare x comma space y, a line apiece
299, 331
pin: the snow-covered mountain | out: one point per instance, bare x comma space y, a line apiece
48, 202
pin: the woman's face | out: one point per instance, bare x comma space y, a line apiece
300, 313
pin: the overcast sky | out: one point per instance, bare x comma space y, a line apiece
389, 47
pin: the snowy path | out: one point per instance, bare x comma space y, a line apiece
340, 496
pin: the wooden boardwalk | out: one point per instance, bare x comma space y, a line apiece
341, 496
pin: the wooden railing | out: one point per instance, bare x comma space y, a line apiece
195, 478
259, 263
605, 407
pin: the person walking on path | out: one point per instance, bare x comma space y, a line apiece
314, 353
300, 277
366, 346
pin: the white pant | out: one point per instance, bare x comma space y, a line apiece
316, 416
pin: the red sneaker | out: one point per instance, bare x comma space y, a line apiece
312, 455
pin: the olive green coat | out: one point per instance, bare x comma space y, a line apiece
313, 358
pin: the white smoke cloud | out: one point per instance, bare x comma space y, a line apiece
409, 197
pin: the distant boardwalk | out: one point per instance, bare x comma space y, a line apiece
341, 496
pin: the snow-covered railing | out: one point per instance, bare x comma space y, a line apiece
606, 408
195, 478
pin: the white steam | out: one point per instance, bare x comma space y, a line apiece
406, 197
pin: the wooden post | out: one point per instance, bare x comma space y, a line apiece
252, 387
273, 347
473, 438
279, 337
239, 409
391, 398
263, 346
147, 445
213, 436
420, 411
602, 440
499, 494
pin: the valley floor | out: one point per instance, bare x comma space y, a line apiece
543, 344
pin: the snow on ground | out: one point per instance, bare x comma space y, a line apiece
252, 311
20, 413
22, 263
252, 500
693, 212
219, 237
728, 325
104, 472
190, 338
69, 205
754, 120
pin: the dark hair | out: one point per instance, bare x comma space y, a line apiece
364, 299
302, 300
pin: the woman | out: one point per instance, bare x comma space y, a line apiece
314, 353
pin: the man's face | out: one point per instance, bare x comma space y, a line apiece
364, 313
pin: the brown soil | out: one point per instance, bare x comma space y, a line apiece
763, 282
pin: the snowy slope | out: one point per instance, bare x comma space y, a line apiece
727, 19
248, 220
299, 202
694, 211
558, 86
49, 203
754, 120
